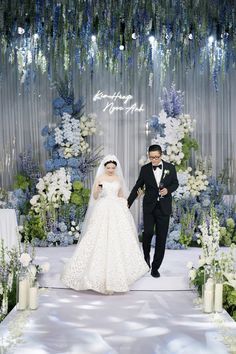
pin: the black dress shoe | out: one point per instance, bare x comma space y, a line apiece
155, 273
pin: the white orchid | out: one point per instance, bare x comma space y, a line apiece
56, 189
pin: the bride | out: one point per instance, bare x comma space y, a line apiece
108, 258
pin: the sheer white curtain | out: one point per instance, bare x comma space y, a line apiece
23, 113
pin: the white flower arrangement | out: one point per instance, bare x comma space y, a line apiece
174, 131
71, 135
210, 237
190, 185
53, 189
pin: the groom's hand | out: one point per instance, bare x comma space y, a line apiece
163, 192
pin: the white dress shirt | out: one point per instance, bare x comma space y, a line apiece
158, 173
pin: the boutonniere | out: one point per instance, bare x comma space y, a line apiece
166, 172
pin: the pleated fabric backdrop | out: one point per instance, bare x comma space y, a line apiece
24, 111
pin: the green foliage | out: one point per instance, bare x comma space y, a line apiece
77, 186
34, 226
187, 222
228, 233
229, 300
22, 182
79, 195
188, 143
199, 279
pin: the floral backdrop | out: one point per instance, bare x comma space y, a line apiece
198, 190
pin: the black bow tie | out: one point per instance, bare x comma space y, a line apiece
155, 167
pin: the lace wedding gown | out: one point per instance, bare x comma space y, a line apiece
108, 258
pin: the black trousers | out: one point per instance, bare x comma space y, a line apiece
161, 221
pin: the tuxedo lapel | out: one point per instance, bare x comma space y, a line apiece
163, 169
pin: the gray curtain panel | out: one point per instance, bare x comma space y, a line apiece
25, 110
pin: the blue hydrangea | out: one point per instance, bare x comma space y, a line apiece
59, 163
156, 126
51, 141
45, 130
58, 103
43, 243
70, 240
62, 227
50, 237
73, 162
49, 165
173, 240
35, 242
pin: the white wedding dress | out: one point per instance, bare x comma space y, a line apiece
108, 259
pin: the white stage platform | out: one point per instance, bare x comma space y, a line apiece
174, 273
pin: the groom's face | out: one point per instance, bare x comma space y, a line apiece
155, 157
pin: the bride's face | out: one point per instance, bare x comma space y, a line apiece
110, 169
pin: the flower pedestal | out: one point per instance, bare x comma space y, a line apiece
22, 292
208, 289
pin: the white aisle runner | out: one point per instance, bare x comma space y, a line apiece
138, 322
157, 317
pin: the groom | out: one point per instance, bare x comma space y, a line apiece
160, 180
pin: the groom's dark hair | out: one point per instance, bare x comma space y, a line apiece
155, 148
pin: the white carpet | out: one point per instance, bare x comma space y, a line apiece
138, 322
153, 318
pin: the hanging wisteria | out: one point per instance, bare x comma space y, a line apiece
39, 34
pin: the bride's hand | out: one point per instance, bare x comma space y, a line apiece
97, 191
99, 188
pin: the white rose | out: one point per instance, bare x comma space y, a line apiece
25, 259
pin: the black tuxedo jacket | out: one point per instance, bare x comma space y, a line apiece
147, 178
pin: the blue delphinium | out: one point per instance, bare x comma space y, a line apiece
172, 101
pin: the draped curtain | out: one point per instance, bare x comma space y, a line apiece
25, 110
